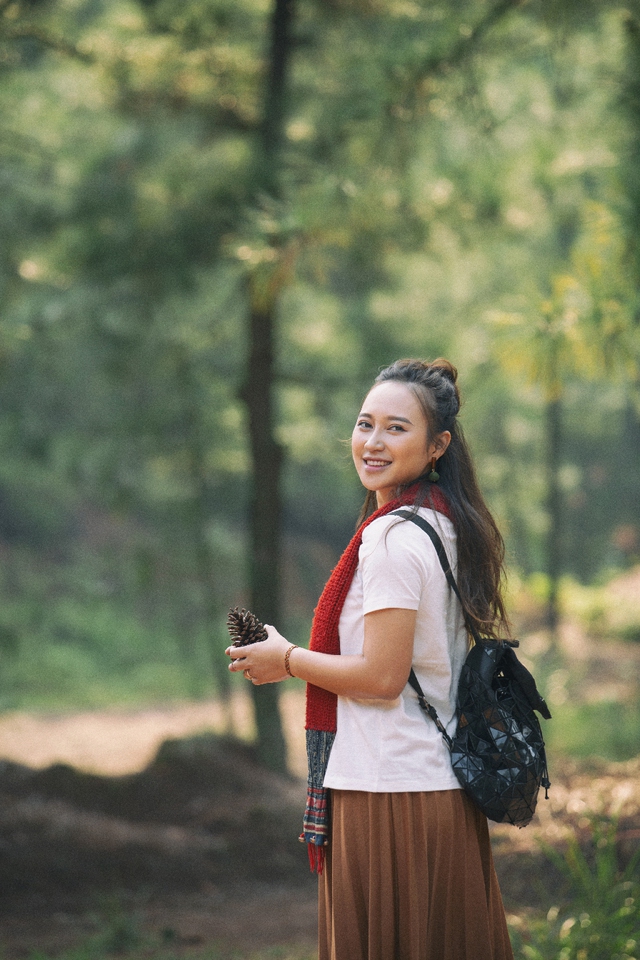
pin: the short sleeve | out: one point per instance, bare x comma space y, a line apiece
396, 561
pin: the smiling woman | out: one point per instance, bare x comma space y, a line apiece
404, 856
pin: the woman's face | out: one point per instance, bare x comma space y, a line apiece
389, 441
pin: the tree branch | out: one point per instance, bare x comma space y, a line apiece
28, 31
227, 115
465, 46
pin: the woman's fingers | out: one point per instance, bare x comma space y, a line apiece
236, 662
261, 662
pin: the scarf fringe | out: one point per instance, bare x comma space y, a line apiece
317, 857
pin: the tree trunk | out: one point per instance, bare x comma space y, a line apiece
265, 515
266, 454
199, 519
277, 79
630, 168
553, 432
553, 452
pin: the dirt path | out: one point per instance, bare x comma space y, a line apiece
60, 831
194, 856
115, 742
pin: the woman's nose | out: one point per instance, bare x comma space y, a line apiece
374, 441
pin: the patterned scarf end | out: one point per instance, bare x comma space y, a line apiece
316, 850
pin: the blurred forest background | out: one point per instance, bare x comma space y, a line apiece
219, 218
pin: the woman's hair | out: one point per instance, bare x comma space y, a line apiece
480, 573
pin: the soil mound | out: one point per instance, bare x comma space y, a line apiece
185, 845
204, 812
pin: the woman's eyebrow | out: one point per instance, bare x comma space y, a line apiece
363, 413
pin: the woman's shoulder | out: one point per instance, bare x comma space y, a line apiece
397, 533
443, 526
392, 520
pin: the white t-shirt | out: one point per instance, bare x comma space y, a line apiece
389, 746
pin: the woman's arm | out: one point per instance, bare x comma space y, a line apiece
381, 672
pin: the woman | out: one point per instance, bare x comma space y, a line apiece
404, 855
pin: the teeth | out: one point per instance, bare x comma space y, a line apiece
377, 463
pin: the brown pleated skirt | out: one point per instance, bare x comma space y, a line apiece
409, 876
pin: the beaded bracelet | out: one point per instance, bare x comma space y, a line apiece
286, 658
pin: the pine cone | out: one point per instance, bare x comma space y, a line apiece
244, 627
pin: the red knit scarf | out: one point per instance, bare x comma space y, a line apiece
322, 706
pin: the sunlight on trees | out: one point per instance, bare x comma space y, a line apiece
210, 248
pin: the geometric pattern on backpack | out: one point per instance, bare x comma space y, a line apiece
498, 751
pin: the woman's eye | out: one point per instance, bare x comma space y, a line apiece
363, 423
396, 426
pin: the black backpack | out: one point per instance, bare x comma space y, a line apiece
497, 751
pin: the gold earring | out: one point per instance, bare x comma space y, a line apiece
433, 475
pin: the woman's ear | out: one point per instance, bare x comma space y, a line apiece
439, 444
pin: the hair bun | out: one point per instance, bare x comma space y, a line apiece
446, 368
436, 385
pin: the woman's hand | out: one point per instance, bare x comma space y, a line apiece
261, 662
379, 673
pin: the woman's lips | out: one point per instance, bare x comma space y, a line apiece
376, 464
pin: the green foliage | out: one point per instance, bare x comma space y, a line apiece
605, 611
609, 729
96, 951
449, 184
86, 635
600, 918
92, 655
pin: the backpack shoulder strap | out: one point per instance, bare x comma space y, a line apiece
434, 536
428, 708
511, 662
446, 566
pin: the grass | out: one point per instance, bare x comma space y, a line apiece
121, 936
95, 950
609, 729
599, 915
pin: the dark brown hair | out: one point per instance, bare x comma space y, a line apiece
480, 573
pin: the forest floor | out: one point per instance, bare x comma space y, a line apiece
131, 824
